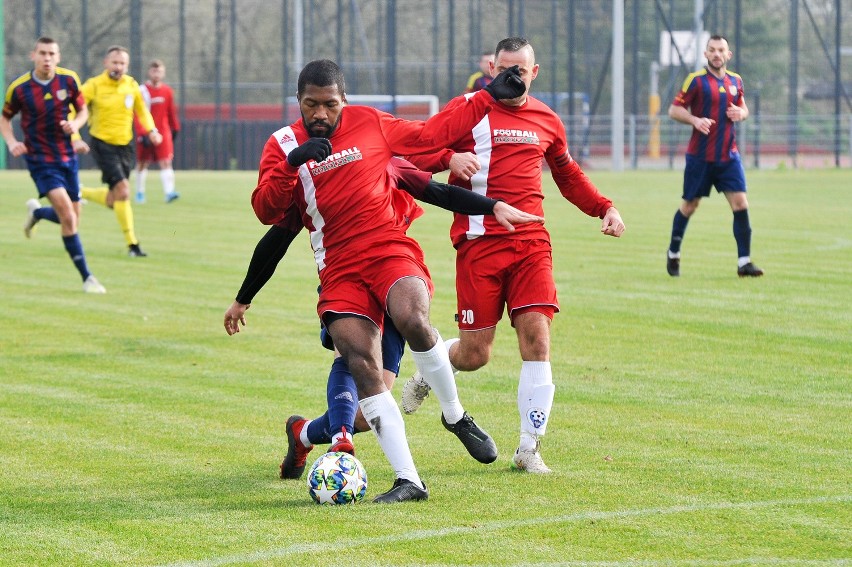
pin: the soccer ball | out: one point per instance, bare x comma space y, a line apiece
337, 478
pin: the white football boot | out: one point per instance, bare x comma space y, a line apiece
414, 391
530, 461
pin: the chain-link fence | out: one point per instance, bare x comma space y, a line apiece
234, 63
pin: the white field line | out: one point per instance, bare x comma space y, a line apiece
290, 550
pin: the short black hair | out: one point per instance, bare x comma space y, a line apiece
46, 40
718, 37
321, 73
512, 44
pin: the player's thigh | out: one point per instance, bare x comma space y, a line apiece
730, 180
697, 178
481, 268
531, 281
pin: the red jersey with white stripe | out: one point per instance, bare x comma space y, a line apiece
511, 143
346, 201
160, 100
708, 96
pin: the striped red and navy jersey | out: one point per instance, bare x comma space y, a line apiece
42, 109
708, 96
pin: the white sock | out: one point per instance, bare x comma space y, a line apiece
533, 374
337, 436
141, 176
385, 419
434, 365
674, 255
303, 434
167, 176
743, 260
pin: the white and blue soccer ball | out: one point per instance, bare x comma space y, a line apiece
337, 478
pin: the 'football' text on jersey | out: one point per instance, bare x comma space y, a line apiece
335, 160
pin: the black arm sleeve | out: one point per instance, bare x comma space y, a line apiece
458, 199
268, 252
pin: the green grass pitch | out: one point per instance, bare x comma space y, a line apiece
703, 420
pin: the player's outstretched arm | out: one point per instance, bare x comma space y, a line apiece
508, 216
612, 225
267, 254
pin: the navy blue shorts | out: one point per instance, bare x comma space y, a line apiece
393, 345
49, 176
700, 175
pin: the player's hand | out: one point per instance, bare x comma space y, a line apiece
703, 124
612, 224
155, 137
464, 165
508, 216
507, 85
17, 149
234, 316
68, 127
316, 149
735, 113
80, 146
174, 134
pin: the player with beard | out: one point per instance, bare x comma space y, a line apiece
497, 270
113, 97
332, 165
343, 418
712, 101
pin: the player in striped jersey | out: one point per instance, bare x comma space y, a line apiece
712, 101
52, 110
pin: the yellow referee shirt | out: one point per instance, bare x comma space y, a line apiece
111, 107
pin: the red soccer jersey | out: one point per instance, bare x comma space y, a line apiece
161, 102
708, 96
42, 108
511, 142
346, 201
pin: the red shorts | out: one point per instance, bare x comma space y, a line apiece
495, 272
148, 152
360, 286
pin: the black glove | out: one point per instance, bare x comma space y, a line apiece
144, 141
507, 84
174, 134
316, 149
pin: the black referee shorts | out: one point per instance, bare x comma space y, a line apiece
115, 162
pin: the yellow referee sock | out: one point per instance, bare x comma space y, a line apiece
124, 214
95, 194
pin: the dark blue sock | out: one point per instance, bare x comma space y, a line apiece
341, 389
75, 250
318, 430
342, 398
678, 228
46, 213
742, 233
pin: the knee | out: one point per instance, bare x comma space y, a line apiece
688, 208
418, 332
471, 357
